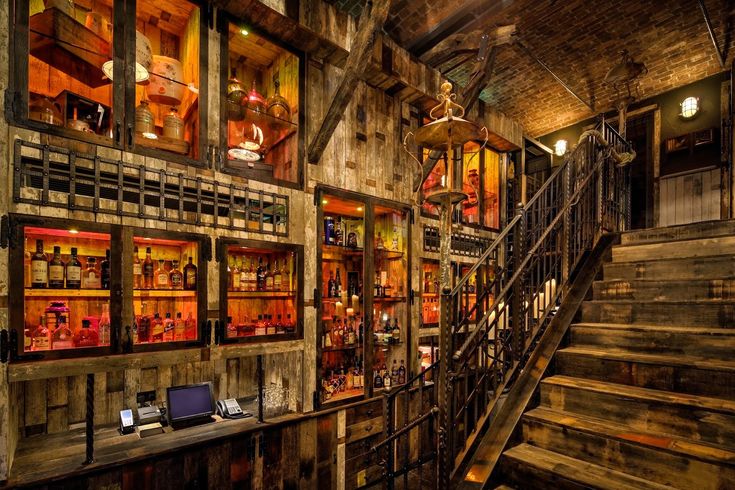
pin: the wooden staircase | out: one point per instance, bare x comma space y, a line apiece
643, 395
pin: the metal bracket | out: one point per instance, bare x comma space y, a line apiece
4, 231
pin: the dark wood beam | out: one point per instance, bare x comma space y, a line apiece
712, 35
371, 21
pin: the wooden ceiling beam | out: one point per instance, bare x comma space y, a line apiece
372, 19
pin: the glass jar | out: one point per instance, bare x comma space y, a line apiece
278, 106
144, 120
173, 125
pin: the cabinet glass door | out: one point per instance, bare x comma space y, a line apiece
342, 372
390, 297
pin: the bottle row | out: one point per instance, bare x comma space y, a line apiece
341, 379
335, 288
343, 333
149, 328
55, 273
54, 332
264, 325
166, 276
260, 278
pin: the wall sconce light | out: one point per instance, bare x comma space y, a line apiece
560, 148
689, 107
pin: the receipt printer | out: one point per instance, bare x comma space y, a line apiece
149, 415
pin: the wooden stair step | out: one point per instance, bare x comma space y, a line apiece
709, 342
504, 487
677, 373
711, 267
531, 467
669, 460
723, 245
666, 290
703, 313
704, 229
707, 419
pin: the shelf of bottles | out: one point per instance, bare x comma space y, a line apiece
390, 305
262, 295
164, 290
343, 373
430, 294
66, 289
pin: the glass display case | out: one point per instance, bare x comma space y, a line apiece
430, 293
262, 87
260, 291
80, 288
364, 296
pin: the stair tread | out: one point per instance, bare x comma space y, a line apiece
664, 302
687, 448
642, 327
595, 476
646, 358
636, 392
703, 229
665, 258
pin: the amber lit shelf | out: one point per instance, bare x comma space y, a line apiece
344, 395
164, 293
389, 299
388, 255
67, 293
260, 294
336, 253
341, 348
429, 295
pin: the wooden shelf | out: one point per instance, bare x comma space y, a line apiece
338, 249
163, 143
343, 348
67, 293
390, 299
260, 294
164, 293
388, 254
346, 395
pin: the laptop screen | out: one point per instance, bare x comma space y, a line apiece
190, 401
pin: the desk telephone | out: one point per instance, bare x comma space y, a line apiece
230, 409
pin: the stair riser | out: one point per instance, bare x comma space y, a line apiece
665, 290
645, 415
682, 379
708, 229
519, 475
654, 342
678, 249
655, 465
681, 269
685, 314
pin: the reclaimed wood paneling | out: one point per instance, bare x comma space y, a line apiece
690, 198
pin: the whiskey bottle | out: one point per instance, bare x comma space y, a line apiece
39, 267
269, 281
168, 328
86, 336
339, 233
190, 327
148, 270
396, 333
394, 373
179, 328
378, 381
56, 270
270, 327
289, 327
260, 275
386, 380
190, 276
73, 271
252, 276
143, 325
104, 325
137, 270
402, 374
260, 326
41, 338
330, 286
280, 327
338, 285
176, 277
157, 328
277, 278
244, 276
91, 277
161, 275
236, 276
105, 271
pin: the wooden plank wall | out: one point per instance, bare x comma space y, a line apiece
690, 198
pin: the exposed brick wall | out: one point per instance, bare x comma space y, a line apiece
580, 40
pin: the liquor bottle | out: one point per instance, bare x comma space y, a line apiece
176, 277
330, 286
260, 275
280, 327
161, 275
269, 284
289, 327
27, 340
378, 381
270, 327
190, 276
251, 276
179, 328
260, 326
236, 276
329, 230
327, 338
338, 285
41, 337
148, 270
73, 271
156, 328
56, 270
39, 267
244, 277
277, 278
86, 336
394, 243
396, 333
190, 327
378, 287
168, 328
339, 233
26, 264
394, 373
104, 325
386, 380
62, 337
137, 270
91, 277
143, 325
402, 374
379, 245
105, 271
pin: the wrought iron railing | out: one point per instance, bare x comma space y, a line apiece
59, 177
492, 319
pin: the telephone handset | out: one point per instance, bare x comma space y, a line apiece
230, 409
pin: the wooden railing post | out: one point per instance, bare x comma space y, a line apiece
566, 221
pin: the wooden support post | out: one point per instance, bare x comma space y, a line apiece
371, 21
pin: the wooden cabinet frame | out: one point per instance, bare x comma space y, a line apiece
121, 287
123, 103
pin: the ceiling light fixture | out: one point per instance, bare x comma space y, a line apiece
560, 148
689, 107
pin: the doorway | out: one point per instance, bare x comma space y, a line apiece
640, 135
